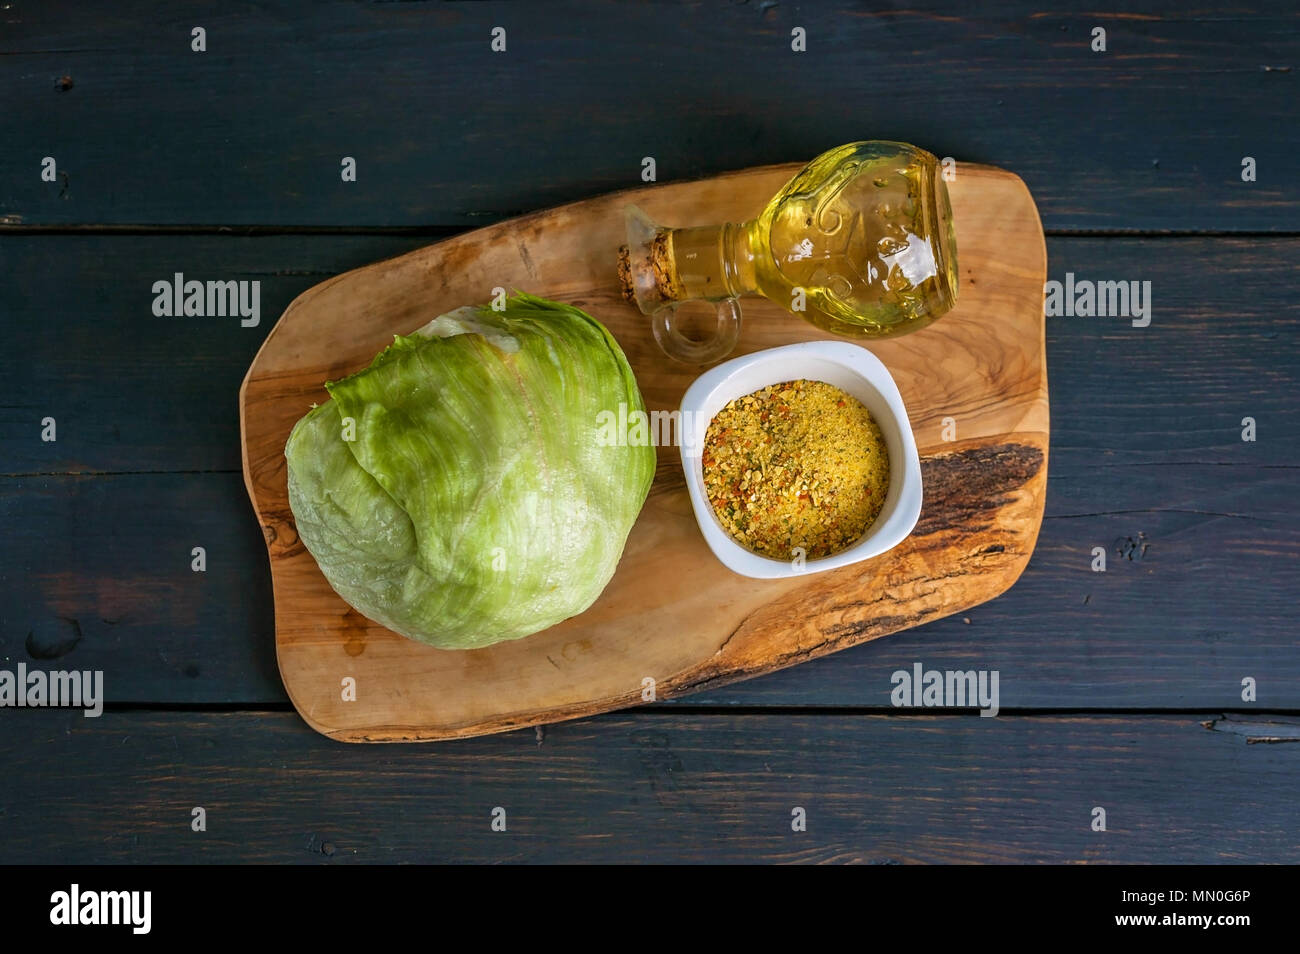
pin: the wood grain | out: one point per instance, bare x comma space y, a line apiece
1151, 450
1199, 593
141, 393
1203, 529
671, 613
655, 786
1148, 135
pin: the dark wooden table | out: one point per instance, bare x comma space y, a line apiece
1121, 690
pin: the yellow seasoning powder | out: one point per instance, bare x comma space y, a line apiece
799, 464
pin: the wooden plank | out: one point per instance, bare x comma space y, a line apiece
130, 391
641, 788
983, 495
97, 573
1205, 601
1146, 445
1221, 345
1149, 134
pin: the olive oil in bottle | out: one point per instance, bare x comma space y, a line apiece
860, 242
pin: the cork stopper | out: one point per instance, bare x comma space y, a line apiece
625, 275
646, 275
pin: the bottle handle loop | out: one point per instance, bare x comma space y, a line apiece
690, 350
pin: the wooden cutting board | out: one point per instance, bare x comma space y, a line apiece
672, 613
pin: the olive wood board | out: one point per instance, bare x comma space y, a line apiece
974, 384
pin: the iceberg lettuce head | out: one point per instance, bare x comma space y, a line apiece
458, 490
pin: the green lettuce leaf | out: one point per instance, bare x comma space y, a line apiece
475, 501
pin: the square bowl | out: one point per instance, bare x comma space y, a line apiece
852, 369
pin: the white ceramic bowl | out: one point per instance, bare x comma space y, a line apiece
850, 368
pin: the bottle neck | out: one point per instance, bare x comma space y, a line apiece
714, 262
